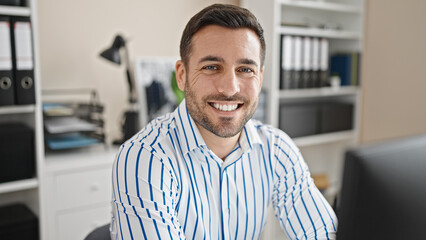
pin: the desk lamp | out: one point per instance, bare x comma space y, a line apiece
131, 116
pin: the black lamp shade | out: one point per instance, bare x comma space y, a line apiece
113, 53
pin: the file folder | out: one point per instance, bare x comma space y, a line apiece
323, 74
307, 63
286, 61
23, 60
297, 63
315, 78
7, 96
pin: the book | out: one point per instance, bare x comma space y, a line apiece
346, 66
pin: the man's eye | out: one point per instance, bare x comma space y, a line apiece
210, 67
245, 70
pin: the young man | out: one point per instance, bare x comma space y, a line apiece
207, 171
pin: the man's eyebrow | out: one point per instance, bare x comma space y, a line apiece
211, 58
248, 61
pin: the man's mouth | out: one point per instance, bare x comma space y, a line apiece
225, 107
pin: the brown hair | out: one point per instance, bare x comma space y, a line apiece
224, 15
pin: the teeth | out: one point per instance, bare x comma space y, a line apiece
225, 108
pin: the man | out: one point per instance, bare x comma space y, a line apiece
206, 171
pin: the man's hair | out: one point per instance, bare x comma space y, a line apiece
223, 15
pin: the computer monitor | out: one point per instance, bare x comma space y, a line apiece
383, 193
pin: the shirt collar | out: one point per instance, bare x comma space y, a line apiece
249, 136
190, 137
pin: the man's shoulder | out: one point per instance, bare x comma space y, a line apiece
275, 136
268, 131
155, 133
152, 143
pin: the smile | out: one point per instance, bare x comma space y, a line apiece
225, 107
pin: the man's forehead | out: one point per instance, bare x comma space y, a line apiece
220, 44
211, 30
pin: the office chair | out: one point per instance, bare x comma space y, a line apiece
100, 233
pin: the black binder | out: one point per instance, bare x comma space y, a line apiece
286, 60
23, 60
7, 96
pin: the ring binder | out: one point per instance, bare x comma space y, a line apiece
23, 64
7, 96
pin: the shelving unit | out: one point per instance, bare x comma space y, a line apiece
319, 33
27, 191
325, 138
322, 5
7, 110
15, 11
318, 92
272, 13
339, 21
19, 185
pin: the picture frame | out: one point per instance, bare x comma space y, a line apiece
153, 82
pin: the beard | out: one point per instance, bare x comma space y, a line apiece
224, 127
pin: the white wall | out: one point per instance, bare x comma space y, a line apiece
73, 33
394, 70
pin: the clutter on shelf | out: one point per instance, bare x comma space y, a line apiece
72, 122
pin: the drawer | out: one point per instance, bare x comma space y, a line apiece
82, 188
78, 224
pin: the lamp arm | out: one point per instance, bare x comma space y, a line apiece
130, 80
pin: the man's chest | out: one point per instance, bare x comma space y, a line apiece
229, 199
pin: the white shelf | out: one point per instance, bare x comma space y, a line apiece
14, 109
316, 32
318, 92
324, 138
15, 11
85, 157
18, 185
322, 5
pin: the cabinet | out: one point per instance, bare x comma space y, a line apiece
341, 23
78, 191
26, 191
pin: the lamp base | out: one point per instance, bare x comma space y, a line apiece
130, 126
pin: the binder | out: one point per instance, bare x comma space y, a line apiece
315, 62
7, 96
297, 63
323, 74
23, 60
286, 61
341, 64
355, 69
307, 62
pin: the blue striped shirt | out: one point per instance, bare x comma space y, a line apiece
167, 184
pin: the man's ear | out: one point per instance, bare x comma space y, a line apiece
180, 75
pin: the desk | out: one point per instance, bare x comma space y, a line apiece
77, 191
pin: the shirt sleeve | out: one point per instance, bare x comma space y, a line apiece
145, 192
301, 209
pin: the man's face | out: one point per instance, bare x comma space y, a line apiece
223, 78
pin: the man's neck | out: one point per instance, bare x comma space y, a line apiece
219, 145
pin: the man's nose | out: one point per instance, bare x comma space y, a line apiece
228, 84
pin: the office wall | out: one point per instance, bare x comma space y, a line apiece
73, 33
394, 70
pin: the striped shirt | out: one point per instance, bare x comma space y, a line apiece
167, 184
